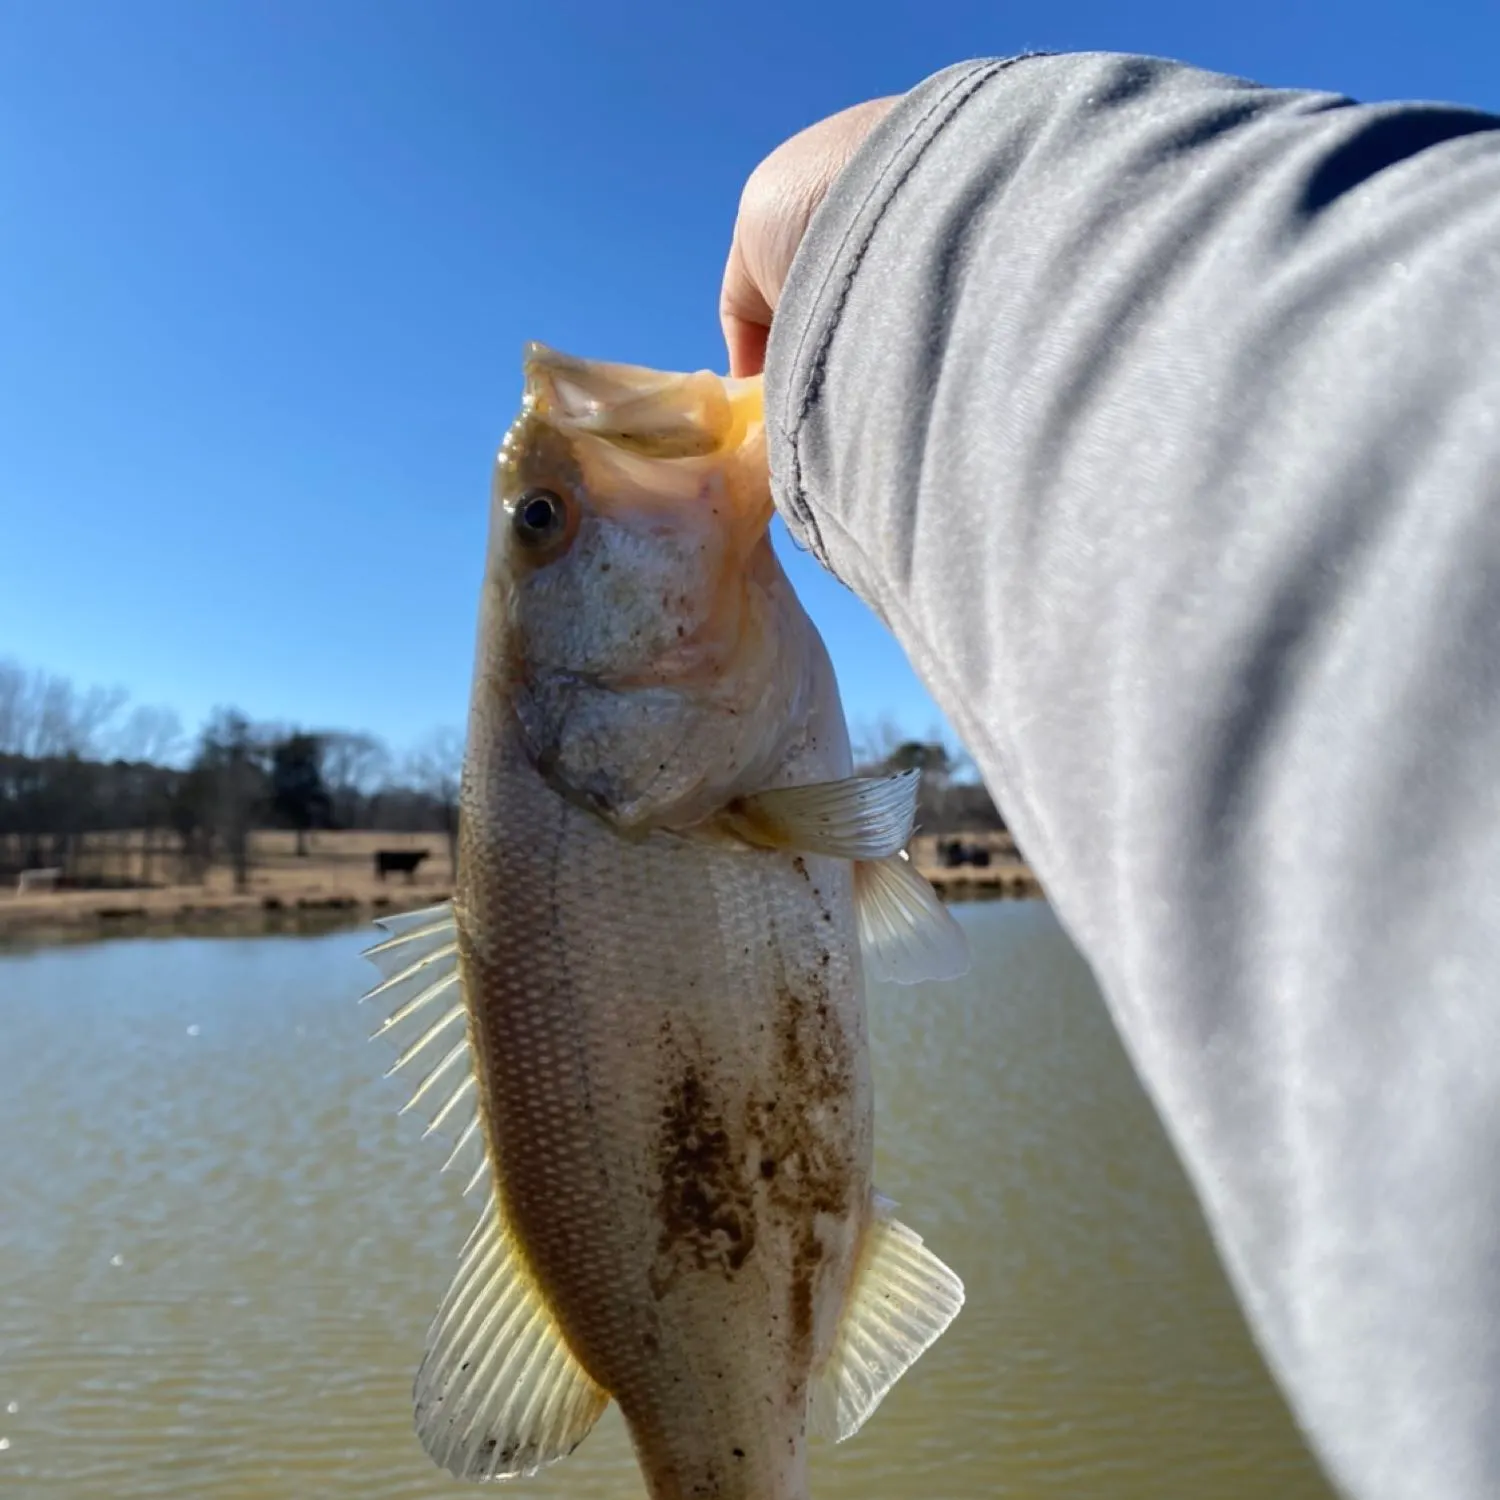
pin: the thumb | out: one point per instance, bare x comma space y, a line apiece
778, 203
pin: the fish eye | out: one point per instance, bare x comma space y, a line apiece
540, 518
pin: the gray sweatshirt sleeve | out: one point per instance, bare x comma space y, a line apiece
1159, 416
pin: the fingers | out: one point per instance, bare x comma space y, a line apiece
778, 203
746, 342
744, 314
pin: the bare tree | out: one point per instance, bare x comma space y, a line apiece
435, 767
150, 734
354, 766
13, 684
92, 716
961, 767
874, 740
234, 784
42, 714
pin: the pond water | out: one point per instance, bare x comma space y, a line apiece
220, 1249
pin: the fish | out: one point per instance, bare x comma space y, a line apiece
640, 1021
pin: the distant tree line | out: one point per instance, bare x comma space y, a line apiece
74, 763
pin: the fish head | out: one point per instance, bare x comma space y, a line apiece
640, 632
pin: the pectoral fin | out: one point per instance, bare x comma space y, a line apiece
499, 1394
861, 817
902, 1299
906, 934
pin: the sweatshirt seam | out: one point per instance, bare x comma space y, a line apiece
846, 261
1011, 794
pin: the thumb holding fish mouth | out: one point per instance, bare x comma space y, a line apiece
777, 205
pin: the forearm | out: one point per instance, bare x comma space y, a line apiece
1159, 415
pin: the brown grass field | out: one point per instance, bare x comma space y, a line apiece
335, 885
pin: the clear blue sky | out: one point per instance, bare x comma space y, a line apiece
266, 269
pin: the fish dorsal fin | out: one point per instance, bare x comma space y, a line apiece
901, 1300
426, 1022
860, 817
499, 1394
906, 933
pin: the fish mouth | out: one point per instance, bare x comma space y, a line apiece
653, 413
650, 442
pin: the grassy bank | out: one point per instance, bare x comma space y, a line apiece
334, 885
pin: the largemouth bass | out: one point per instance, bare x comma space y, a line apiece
641, 1020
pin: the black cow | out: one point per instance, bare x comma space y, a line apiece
955, 852
401, 861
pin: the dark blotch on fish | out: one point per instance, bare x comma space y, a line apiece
707, 1217
809, 1170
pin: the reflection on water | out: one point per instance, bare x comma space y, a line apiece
219, 1249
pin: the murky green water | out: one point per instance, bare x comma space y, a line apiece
219, 1249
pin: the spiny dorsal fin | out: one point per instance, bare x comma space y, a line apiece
906, 934
861, 817
499, 1394
427, 1023
902, 1299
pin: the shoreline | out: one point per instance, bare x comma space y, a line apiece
1010, 880
127, 913
73, 916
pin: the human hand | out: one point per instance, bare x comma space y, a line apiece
776, 207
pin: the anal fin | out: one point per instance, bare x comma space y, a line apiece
902, 1299
499, 1394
